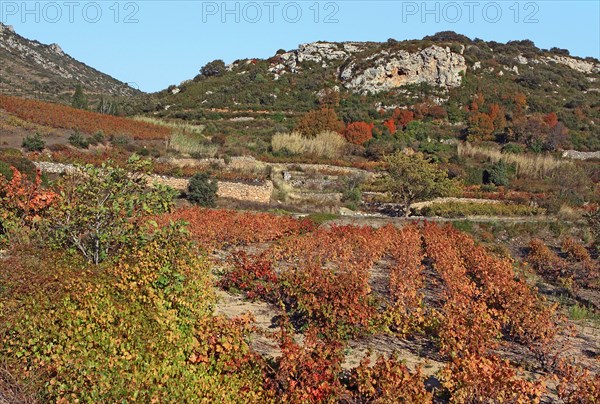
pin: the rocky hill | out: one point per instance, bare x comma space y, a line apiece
445, 70
32, 69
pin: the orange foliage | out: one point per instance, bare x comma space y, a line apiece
64, 117
214, 229
319, 120
481, 126
551, 119
403, 117
24, 198
358, 132
390, 125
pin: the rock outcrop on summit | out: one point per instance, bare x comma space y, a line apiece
434, 65
381, 71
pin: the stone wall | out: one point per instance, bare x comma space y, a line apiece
578, 155
260, 193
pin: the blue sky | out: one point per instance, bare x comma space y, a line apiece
157, 43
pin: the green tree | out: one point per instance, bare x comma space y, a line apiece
79, 99
202, 190
414, 178
214, 68
101, 209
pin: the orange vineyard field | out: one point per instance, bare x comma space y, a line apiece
64, 117
434, 284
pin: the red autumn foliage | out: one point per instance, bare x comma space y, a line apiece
214, 229
390, 125
403, 117
358, 132
551, 119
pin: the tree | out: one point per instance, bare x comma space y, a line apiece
107, 106
214, 68
403, 117
481, 127
101, 210
498, 117
414, 178
319, 120
79, 99
202, 190
358, 132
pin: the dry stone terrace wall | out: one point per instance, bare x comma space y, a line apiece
578, 155
233, 190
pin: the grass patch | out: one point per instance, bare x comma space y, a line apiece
580, 312
526, 165
321, 217
325, 144
463, 209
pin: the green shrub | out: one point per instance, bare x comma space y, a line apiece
202, 190
33, 143
513, 148
5, 170
497, 174
139, 330
99, 137
78, 140
474, 175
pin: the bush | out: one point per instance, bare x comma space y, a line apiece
513, 148
213, 69
101, 209
358, 132
140, 330
497, 174
78, 140
33, 143
319, 120
202, 190
575, 251
543, 260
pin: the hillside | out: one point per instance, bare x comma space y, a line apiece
438, 77
32, 69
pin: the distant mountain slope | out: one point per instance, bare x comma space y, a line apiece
31, 69
445, 70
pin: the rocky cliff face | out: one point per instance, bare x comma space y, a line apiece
434, 65
31, 68
377, 72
